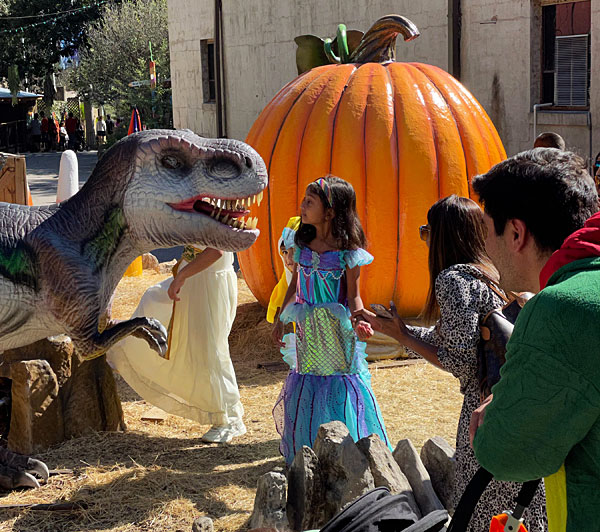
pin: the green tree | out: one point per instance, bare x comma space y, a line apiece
118, 53
35, 34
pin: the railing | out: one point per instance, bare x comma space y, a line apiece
13, 136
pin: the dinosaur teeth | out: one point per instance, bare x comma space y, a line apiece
259, 198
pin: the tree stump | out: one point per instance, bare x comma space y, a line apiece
56, 395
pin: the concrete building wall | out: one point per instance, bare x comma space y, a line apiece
190, 21
500, 58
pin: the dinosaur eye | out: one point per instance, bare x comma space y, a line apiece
224, 169
171, 162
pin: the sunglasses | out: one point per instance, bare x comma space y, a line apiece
424, 231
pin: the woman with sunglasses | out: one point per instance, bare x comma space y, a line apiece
463, 289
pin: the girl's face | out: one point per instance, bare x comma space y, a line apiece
312, 209
288, 258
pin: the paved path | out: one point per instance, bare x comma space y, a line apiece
42, 177
42, 173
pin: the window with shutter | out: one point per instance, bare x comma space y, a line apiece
565, 72
571, 80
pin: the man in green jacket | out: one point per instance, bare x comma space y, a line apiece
544, 417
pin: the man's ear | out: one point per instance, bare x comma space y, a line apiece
518, 234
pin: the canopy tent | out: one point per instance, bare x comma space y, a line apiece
21, 95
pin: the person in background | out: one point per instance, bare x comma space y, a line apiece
35, 132
543, 417
44, 128
100, 131
463, 289
549, 140
110, 125
63, 136
71, 127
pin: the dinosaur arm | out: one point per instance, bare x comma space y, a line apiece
94, 343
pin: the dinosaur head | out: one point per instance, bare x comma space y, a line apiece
189, 189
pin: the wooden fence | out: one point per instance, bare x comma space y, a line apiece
13, 179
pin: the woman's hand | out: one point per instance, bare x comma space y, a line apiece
395, 327
175, 286
277, 333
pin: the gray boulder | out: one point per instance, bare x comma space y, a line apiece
411, 465
386, 472
437, 456
302, 480
344, 472
269, 503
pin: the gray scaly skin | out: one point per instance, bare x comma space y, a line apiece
60, 264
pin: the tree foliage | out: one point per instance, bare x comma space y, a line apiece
36, 50
118, 53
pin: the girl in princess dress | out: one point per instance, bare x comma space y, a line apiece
329, 378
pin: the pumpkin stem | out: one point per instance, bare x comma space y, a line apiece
379, 43
342, 45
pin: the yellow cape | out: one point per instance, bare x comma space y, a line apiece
281, 287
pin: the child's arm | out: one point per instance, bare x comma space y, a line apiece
363, 328
201, 262
277, 333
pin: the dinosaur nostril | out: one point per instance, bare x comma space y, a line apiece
248, 162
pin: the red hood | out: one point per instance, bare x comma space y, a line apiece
582, 244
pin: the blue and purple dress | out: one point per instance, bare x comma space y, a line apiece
329, 378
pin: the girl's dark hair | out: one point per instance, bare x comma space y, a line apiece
345, 226
457, 236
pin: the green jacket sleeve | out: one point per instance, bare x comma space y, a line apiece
546, 400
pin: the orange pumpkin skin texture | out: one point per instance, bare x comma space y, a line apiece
403, 134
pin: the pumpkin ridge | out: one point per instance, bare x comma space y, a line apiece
422, 68
365, 220
337, 108
464, 122
474, 110
434, 132
395, 135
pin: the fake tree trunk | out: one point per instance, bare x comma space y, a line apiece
54, 395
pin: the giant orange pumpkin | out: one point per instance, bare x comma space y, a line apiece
403, 134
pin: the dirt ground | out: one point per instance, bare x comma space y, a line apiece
159, 476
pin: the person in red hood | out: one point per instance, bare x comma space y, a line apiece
544, 417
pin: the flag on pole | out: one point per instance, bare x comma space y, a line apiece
135, 123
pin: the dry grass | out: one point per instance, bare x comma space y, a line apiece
160, 476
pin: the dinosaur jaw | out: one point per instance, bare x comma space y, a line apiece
229, 212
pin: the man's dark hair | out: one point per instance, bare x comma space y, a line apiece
548, 189
549, 140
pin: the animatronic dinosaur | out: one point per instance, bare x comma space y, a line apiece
17, 471
60, 264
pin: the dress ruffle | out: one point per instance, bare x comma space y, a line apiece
355, 257
307, 401
297, 312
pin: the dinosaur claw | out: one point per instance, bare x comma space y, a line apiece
25, 480
39, 468
158, 337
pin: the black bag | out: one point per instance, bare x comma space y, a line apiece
380, 511
495, 330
